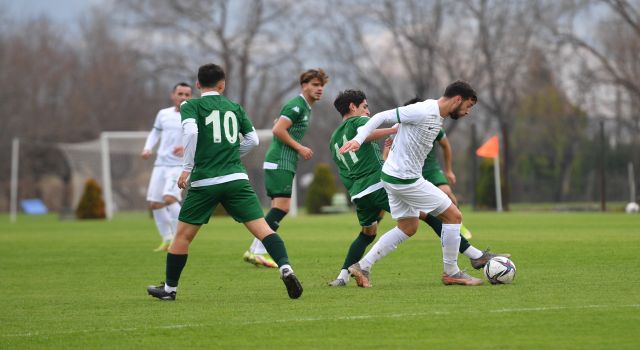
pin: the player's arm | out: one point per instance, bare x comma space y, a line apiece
189, 142
380, 133
249, 142
152, 139
448, 160
280, 130
386, 117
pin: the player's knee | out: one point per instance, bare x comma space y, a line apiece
452, 215
370, 230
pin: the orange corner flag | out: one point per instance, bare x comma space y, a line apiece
490, 149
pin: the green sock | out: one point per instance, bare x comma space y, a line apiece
275, 247
436, 225
175, 264
357, 248
273, 218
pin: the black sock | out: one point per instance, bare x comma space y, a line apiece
357, 248
275, 247
273, 218
175, 264
436, 225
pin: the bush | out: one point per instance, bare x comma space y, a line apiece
321, 190
91, 204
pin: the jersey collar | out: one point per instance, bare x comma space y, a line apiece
305, 101
210, 93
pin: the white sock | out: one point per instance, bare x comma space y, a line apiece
169, 289
450, 246
385, 245
163, 223
257, 247
174, 212
344, 274
473, 253
286, 266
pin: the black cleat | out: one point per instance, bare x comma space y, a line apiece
294, 288
160, 293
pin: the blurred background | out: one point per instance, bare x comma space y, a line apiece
558, 82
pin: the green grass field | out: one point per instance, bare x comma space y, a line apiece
82, 285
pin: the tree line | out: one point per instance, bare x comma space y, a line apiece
547, 73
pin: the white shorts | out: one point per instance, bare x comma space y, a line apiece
407, 201
164, 182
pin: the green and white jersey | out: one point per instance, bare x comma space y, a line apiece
215, 123
279, 155
431, 162
359, 171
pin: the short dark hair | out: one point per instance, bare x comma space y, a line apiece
314, 74
413, 100
462, 89
346, 97
210, 74
182, 83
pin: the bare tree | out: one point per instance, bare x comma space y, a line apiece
252, 39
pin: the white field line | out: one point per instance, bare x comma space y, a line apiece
318, 319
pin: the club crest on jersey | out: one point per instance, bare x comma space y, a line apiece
296, 109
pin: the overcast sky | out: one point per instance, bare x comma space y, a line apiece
58, 10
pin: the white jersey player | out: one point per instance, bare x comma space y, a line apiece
408, 192
163, 193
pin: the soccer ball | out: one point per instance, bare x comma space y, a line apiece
632, 208
500, 270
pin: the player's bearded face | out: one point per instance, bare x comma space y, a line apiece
461, 109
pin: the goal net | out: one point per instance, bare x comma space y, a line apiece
114, 162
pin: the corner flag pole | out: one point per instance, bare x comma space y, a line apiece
15, 149
491, 149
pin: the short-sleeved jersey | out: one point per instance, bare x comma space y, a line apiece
279, 155
169, 124
359, 171
420, 123
431, 162
220, 122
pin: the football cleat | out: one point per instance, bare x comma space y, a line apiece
361, 276
264, 260
294, 288
163, 247
249, 257
461, 278
159, 292
464, 231
338, 282
486, 256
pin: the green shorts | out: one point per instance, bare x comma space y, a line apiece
369, 208
237, 197
435, 176
278, 183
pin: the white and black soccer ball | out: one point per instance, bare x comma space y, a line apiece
632, 208
500, 270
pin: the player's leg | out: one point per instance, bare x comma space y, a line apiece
161, 216
370, 210
407, 218
196, 211
444, 186
242, 204
172, 195
279, 185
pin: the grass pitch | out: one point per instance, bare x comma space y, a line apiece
82, 285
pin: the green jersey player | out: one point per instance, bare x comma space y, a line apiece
360, 173
282, 156
212, 126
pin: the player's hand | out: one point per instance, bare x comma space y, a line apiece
178, 151
388, 142
305, 152
351, 145
182, 180
451, 177
146, 153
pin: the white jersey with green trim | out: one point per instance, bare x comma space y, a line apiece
419, 127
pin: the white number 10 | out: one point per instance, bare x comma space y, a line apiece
230, 126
